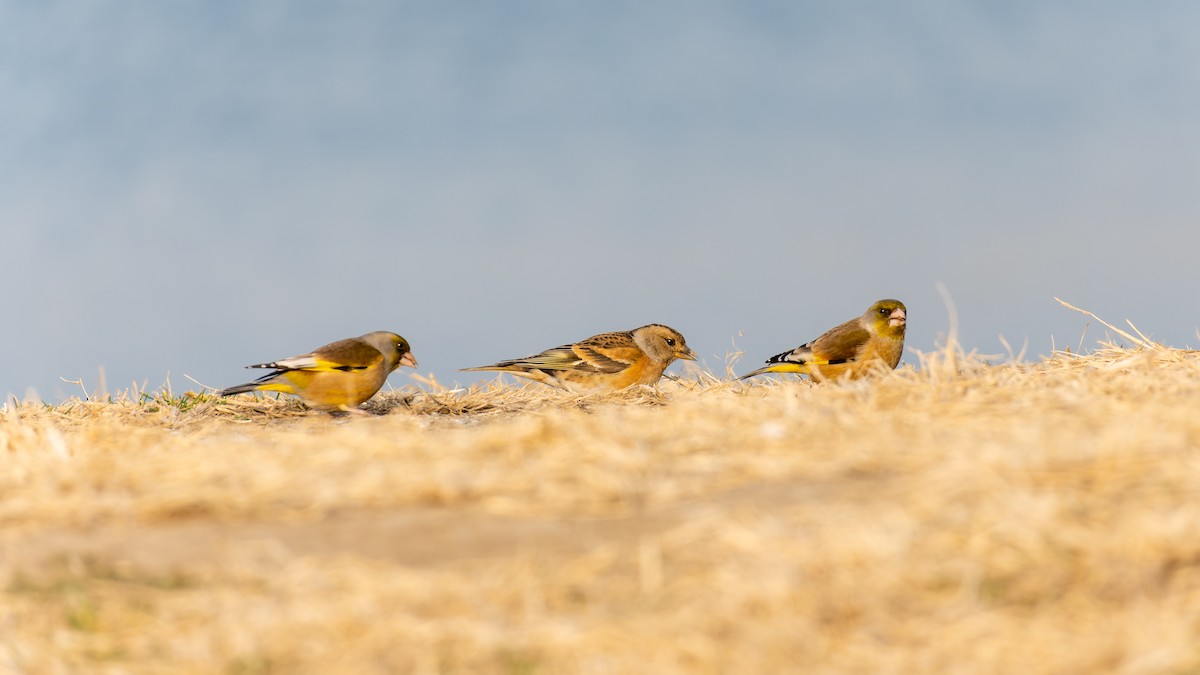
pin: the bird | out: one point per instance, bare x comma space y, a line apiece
850, 350
603, 363
338, 376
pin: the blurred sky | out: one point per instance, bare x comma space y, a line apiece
189, 187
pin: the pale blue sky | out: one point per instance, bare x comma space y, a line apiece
189, 187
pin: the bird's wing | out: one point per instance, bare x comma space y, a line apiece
558, 358
581, 356
573, 357
606, 359
604, 353
344, 355
801, 354
835, 346
608, 352
840, 344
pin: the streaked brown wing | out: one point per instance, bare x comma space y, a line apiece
613, 340
558, 358
606, 359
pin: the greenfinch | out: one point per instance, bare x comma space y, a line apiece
850, 350
339, 376
603, 363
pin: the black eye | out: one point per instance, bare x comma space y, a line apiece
883, 310
671, 342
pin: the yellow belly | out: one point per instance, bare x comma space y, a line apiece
329, 390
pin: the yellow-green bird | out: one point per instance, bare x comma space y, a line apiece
337, 376
850, 350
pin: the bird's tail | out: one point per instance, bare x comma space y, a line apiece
798, 368
497, 367
268, 382
239, 389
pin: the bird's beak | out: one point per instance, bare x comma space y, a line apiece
408, 360
689, 355
897, 317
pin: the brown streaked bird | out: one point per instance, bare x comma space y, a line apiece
604, 362
338, 376
850, 350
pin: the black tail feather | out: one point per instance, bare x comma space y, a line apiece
239, 389
251, 386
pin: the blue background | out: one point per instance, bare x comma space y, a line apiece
189, 187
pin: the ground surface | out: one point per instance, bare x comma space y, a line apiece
958, 517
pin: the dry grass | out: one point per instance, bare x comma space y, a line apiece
961, 517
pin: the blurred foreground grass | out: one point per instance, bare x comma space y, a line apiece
959, 517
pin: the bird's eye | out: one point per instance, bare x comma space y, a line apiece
671, 342
883, 310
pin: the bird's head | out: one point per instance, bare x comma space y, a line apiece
390, 343
662, 343
406, 355
888, 317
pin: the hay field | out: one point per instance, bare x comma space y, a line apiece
958, 517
